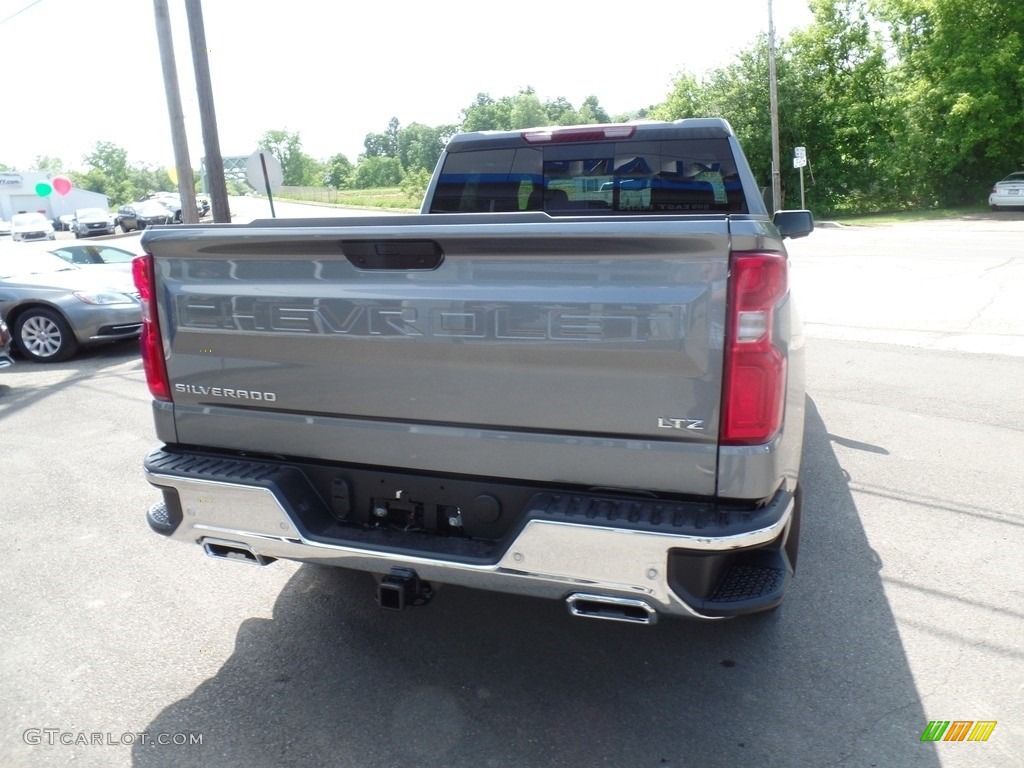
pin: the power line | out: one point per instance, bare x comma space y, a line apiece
18, 13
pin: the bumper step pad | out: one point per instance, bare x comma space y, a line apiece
746, 582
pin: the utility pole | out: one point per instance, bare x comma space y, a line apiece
773, 97
182, 163
207, 115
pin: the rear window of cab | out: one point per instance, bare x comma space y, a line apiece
599, 178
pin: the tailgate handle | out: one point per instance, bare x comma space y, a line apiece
403, 255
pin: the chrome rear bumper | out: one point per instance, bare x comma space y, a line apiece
546, 558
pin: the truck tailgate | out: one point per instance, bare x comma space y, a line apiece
509, 345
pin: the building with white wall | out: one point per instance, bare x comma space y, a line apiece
18, 193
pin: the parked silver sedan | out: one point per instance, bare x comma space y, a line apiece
53, 307
92, 254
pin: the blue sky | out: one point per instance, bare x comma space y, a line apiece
82, 71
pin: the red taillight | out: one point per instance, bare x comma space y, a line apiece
605, 132
755, 368
153, 361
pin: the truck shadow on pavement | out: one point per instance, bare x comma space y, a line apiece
484, 680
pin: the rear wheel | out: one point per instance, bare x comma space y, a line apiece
43, 335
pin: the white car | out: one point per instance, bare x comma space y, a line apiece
31, 226
1008, 192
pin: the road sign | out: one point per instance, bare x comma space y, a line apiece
799, 162
263, 170
800, 152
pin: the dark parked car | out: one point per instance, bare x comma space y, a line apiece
5, 345
143, 214
92, 221
172, 200
54, 307
62, 223
204, 202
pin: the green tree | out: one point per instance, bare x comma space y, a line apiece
560, 112
338, 171
414, 184
383, 144
237, 187
392, 133
298, 168
376, 145
592, 112
95, 180
526, 111
960, 78
420, 146
486, 114
684, 100
373, 172
839, 104
47, 164
834, 99
107, 172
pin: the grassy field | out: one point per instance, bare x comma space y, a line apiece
385, 197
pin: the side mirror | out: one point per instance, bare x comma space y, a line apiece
794, 223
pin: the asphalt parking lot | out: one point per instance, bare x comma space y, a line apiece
906, 607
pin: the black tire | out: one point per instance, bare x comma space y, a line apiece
140, 225
43, 335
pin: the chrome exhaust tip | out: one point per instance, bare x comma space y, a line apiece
625, 609
232, 550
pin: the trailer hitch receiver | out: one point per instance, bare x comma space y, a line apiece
402, 587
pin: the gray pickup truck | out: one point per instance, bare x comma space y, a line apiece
577, 374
